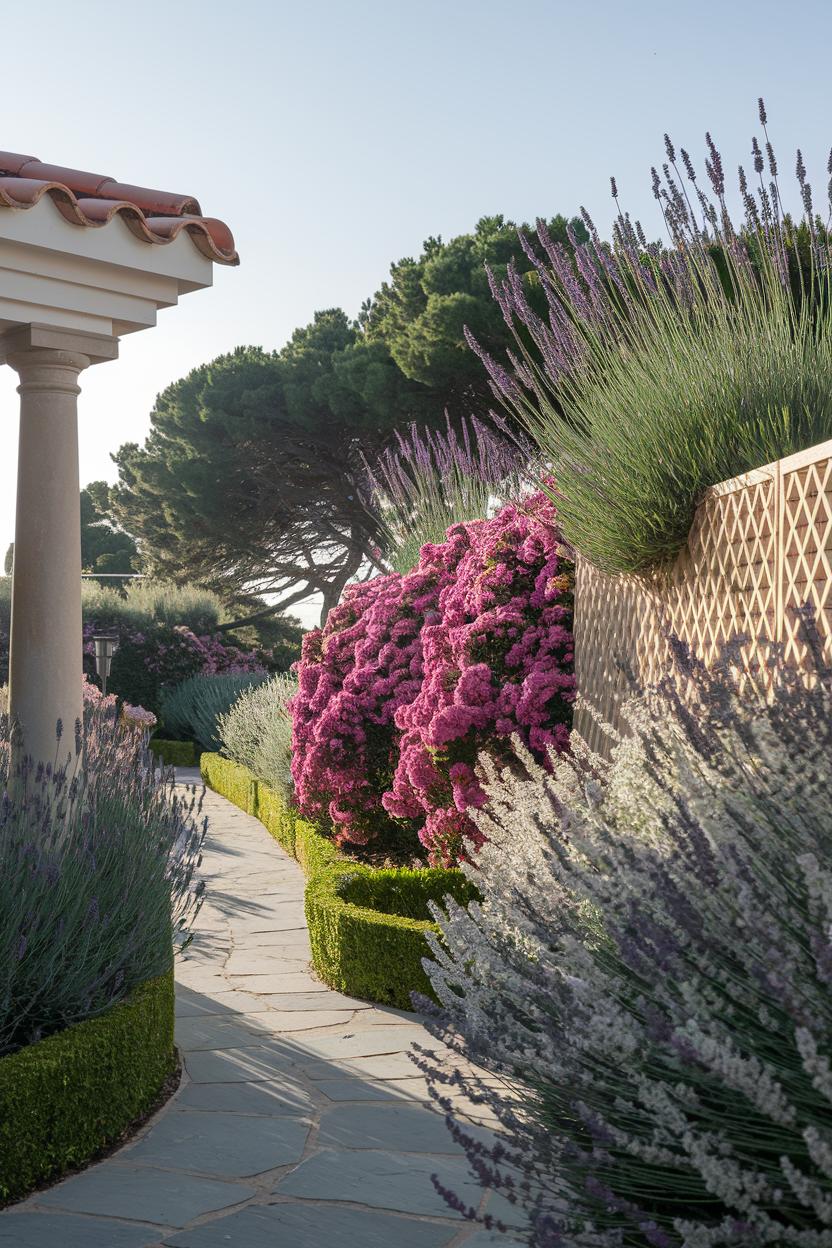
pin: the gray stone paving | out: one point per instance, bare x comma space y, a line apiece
300, 1118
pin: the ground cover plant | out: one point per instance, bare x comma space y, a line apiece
657, 371
414, 673
257, 732
97, 879
650, 970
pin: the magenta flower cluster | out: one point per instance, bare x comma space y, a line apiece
414, 675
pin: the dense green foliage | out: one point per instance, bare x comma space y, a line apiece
268, 439
66, 1098
367, 927
257, 732
192, 710
174, 753
421, 313
105, 548
275, 439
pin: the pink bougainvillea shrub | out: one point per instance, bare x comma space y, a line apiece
353, 677
497, 661
413, 675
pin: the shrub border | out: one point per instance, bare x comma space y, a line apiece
69, 1096
174, 753
357, 950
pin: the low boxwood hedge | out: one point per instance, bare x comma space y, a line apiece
69, 1096
174, 753
366, 926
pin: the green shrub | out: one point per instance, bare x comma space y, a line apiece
193, 709
257, 732
278, 819
405, 892
66, 1098
148, 601
366, 927
361, 950
231, 780
174, 753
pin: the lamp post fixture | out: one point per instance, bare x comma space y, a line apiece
105, 647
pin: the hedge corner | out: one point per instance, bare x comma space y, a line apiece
71, 1095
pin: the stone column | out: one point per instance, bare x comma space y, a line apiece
45, 661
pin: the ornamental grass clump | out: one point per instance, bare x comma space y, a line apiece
429, 480
657, 371
651, 970
191, 710
257, 732
98, 876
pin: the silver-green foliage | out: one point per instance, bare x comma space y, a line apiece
98, 878
191, 710
257, 732
146, 602
651, 969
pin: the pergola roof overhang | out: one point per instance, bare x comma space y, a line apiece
84, 259
79, 251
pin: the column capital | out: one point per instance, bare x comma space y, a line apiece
25, 338
48, 370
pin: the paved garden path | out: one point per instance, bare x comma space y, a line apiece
300, 1120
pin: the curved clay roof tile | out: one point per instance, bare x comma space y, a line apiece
90, 199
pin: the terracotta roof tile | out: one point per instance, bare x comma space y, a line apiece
91, 199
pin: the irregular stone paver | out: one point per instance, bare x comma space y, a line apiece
166, 1197
385, 1180
68, 1230
300, 1118
222, 1143
312, 1226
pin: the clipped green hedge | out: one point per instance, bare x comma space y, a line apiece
231, 780
66, 1098
174, 753
366, 927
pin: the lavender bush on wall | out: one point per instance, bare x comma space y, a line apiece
657, 371
651, 971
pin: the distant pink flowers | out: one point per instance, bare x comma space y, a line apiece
414, 675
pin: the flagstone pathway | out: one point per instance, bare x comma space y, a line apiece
300, 1118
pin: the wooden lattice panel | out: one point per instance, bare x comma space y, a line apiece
760, 545
807, 551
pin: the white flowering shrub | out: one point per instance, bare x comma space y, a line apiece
650, 971
257, 732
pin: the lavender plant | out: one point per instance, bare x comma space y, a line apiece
650, 972
97, 877
658, 371
257, 732
428, 481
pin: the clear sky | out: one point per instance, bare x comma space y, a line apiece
334, 136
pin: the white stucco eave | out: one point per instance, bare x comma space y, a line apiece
101, 280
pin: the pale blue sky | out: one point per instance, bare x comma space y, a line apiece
335, 135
